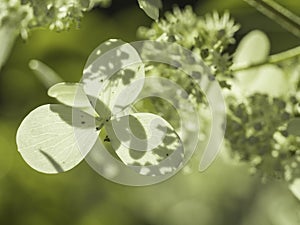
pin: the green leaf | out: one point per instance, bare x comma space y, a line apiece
70, 94
146, 142
113, 77
294, 127
295, 188
151, 7
254, 48
47, 141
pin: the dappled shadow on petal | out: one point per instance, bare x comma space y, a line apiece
146, 143
111, 68
100, 107
185, 60
115, 170
73, 116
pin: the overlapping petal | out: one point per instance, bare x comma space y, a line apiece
111, 68
144, 141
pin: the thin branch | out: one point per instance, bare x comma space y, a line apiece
279, 14
272, 59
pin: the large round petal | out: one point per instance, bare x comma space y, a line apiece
112, 68
146, 142
46, 138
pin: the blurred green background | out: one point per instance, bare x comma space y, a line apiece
224, 194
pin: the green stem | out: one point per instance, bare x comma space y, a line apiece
99, 123
278, 14
44, 73
272, 59
8, 36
